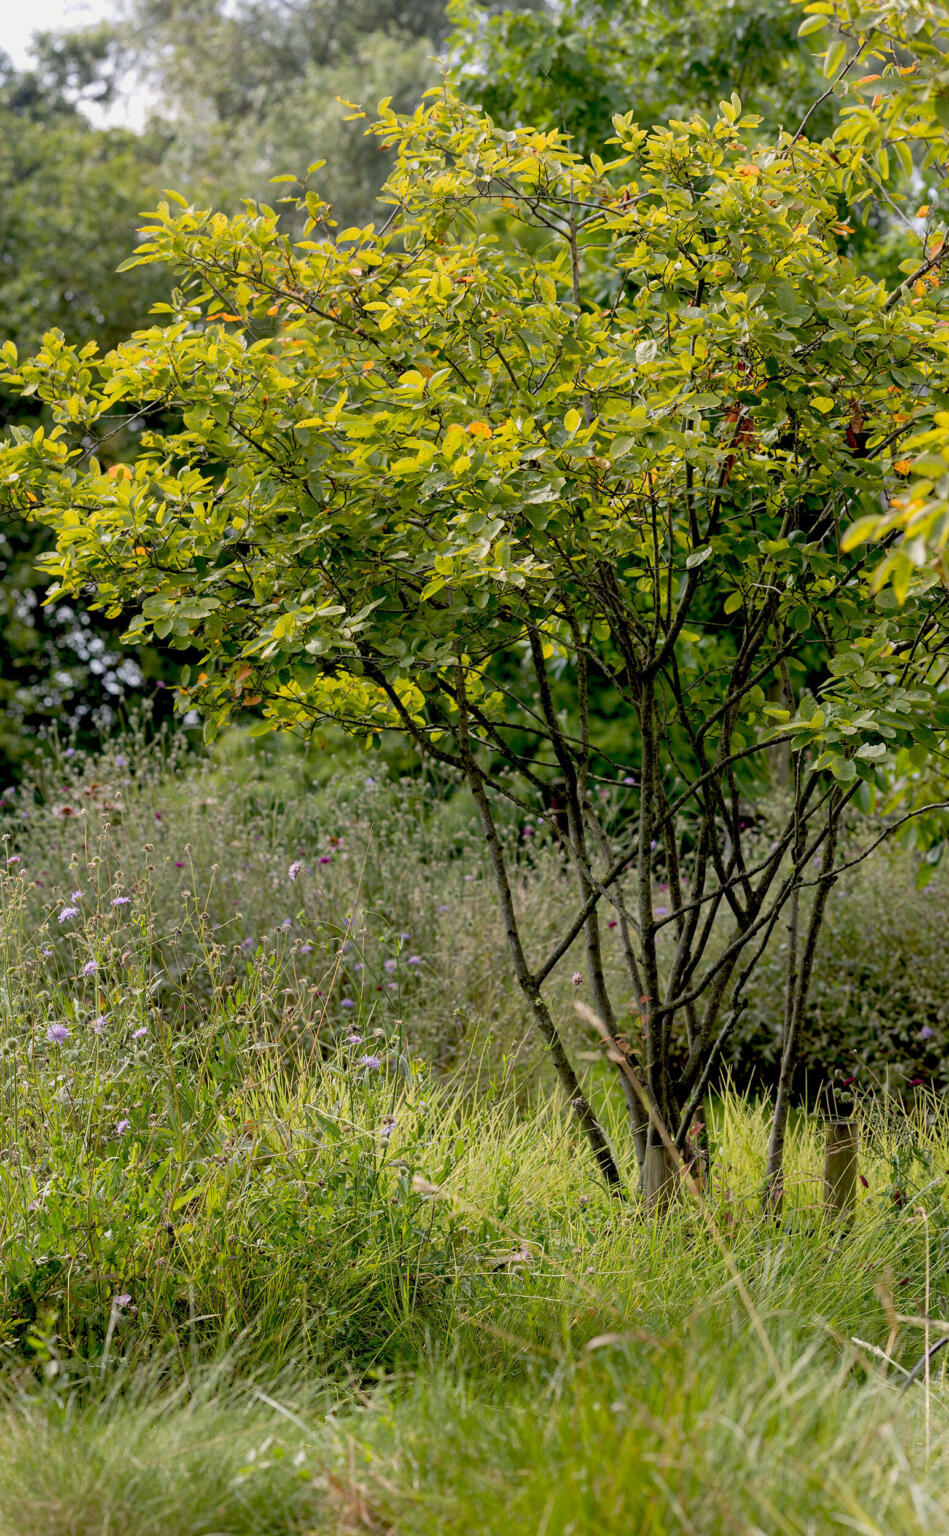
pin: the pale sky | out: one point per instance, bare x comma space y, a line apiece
19, 19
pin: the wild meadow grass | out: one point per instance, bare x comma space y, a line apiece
286, 1247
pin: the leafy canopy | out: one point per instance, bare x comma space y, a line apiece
393, 445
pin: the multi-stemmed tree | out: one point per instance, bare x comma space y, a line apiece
559, 424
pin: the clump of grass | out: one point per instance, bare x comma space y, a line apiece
265, 1268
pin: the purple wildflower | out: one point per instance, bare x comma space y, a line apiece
122, 1127
926, 1033
371, 1063
57, 1033
121, 1300
120, 761
445, 908
90, 967
99, 1023
391, 965
414, 960
577, 978
121, 901
138, 1033
67, 913
69, 752
179, 863
14, 858
353, 1039
346, 1002
306, 949
326, 858
287, 923
629, 779
76, 896
294, 869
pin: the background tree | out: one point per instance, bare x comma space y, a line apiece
72, 196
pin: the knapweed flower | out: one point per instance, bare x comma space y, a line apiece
346, 1002
67, 913
121, 901
326, 858
294, 869
577, 978
57, 1033
122, 1127
179, 863
391, 965
90, 967
138, 1033
371, 1063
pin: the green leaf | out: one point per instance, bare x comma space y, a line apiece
834, 57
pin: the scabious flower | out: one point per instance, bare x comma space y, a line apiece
14, 858
294, 869
121, 901
577, 978
122, 1300
57, 1033
287, 923
391, 965
414, 960
371, 1063
346, 1002
926, 1033
76, 896
99, 1023
67, 913
306, 949
353, 1039
138, 1033
90, 967
122, 1127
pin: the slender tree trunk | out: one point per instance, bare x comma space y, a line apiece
579, 1102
